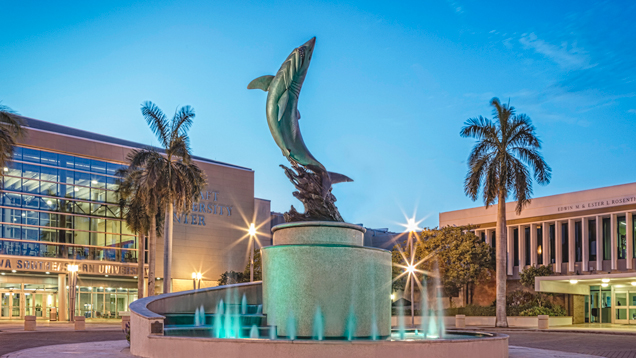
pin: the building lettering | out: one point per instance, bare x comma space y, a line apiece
62, 267
209, 207
597, 204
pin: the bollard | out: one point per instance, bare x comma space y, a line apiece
80, 323
124, 320
460, 321
544, 321
29, 323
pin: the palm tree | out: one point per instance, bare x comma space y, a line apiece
506, 147
143, 190
183, 179
11, 130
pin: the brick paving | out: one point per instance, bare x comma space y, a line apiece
603, 345
15, 341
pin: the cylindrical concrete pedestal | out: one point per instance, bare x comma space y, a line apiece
323, 267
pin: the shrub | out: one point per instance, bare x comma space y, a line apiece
555, 311
528, 274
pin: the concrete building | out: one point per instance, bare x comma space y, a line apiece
60, 207
587, 236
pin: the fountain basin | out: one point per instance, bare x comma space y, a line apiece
487, 346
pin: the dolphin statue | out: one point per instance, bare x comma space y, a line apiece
282, 112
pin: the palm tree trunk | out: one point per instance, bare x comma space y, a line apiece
141, 248
152, 253
167, 252
502, 275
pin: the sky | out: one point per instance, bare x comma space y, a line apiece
388, 90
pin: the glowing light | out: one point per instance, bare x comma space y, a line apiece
574, 282
6, 169
252, 230
105, 275
539, 251
135, 276
199, 275
48, 273
14, 271
2, 273
49, 300
94, 182
412, 225
410, 269
606, 280
604, 285
49, 202
76, 189
392, 296
633, 283
73, 268
194, 275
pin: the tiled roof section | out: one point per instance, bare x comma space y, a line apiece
74, 132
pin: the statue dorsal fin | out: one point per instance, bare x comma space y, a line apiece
261, 83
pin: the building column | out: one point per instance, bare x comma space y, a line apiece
511, 250
558, 247
571, 246
599, 243
613, 243
629, 227
545, 230
488, 237
585, 232
533, 245
62, 296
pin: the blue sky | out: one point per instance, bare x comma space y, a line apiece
388, 90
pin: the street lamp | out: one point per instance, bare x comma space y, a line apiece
72, 283
252, 232
196, 280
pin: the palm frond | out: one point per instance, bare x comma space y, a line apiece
157, 122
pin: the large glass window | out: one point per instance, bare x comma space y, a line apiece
621, 237
592, 239
607, 239
578, 241
565, 243
60, 199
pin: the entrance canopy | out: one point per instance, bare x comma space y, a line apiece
580, 284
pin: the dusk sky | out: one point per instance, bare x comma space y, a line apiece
388, 90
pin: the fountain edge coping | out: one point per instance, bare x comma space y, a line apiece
319, 224
492, 336
140, 306
328, 245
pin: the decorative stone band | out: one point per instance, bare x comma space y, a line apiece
318, 232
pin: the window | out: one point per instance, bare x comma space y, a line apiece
565, 243
592, 239
607, 239
493, 238
552, 244
516, 246
526, 245
540, 245
63, 200
578, 241
621, 237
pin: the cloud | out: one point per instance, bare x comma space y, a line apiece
566, 56
631, 111
457, 7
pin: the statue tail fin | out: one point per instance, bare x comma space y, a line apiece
339, 178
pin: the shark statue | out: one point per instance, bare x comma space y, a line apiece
282, 112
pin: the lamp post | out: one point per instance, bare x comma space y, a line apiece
411, 227
252, 233
72, 283
196, 280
